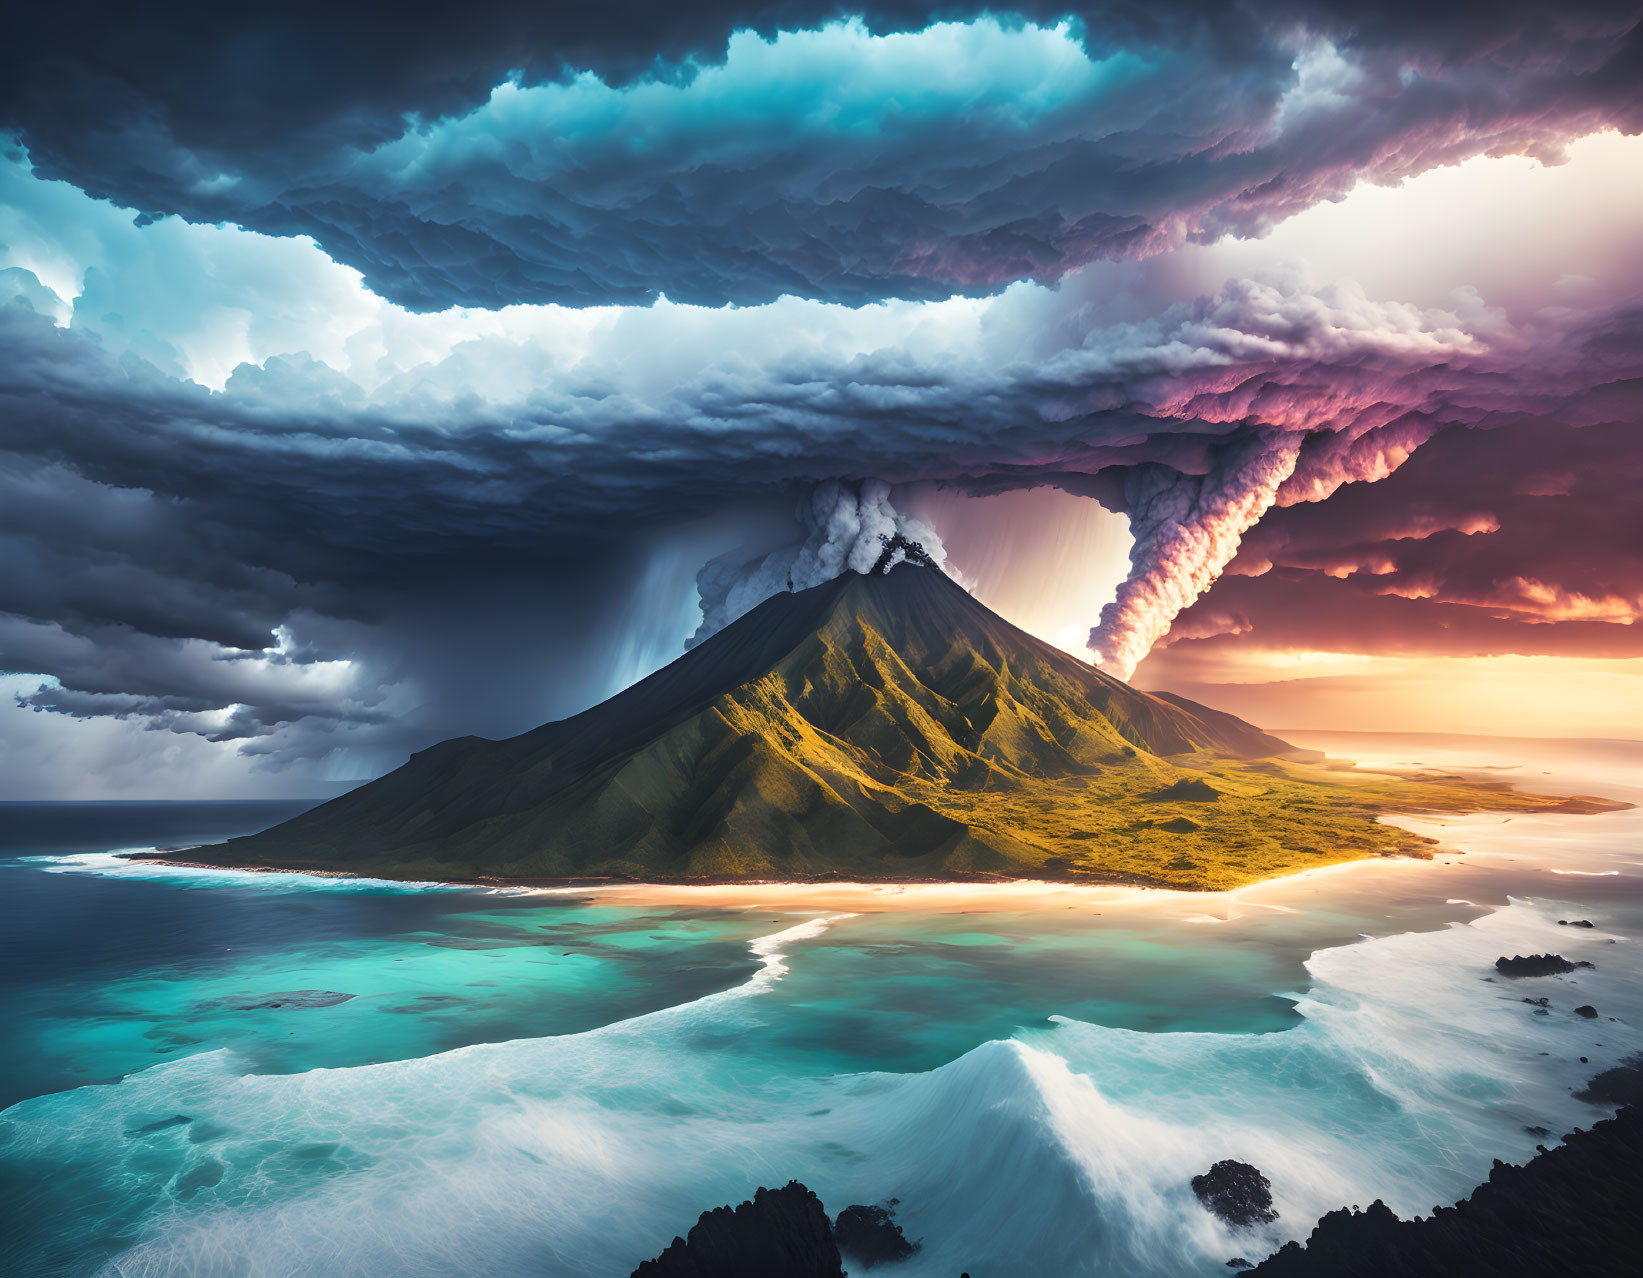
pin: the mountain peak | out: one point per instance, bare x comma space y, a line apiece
901, 550
878, 726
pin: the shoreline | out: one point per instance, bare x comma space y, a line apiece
1112, 889
884, 895
1553, 786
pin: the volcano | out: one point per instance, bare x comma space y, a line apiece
885, 725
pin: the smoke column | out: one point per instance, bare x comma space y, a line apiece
846, 526
1186, 530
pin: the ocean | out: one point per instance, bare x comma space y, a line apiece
253, 1075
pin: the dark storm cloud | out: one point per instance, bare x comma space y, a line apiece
296, 566
917, 171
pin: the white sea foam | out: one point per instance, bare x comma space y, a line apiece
118, 864
1068, 1150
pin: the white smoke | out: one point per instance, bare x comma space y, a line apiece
1186, 530
847, 529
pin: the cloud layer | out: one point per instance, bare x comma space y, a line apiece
739, 155
349, 418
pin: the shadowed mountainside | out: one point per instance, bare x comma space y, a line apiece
880, 726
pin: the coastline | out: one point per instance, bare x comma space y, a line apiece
887, 895
1404, 758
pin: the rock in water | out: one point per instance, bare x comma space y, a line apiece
870, 1235
1237, 1193
288, 998
1536, 965
782, 1231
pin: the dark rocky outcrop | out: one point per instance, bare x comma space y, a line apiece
1237, 1193
898, 549
1535, 965
1622, 1085
1570, 1210
781, 1231
1586, 1010
871, 1235
1574, 923
1186, 790
1180, 825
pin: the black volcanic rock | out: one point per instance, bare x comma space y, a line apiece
780, 1232
1237, 1193
871, 1235
1622, 1085
899, 550
1520, 965
1586, 1010
1574, 923
1186, 790
1572, 1210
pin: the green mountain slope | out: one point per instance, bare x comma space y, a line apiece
884, 726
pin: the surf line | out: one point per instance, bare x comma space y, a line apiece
771, 951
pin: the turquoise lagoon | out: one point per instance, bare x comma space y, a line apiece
248, 1075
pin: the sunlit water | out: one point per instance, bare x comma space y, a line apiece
531, 1085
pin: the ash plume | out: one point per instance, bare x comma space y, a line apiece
849, 527
1186, 530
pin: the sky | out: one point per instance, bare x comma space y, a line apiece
371, 375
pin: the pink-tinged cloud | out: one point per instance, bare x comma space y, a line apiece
1410, 567
1186, 530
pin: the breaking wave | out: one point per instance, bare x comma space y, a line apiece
1064, 1150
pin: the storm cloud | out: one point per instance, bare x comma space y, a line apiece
357, 392
738, 155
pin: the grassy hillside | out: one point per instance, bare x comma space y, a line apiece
874, 727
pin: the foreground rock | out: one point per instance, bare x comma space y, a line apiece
871, 1235
1535, 965
1571, 1210
1622, 1085
1237, 1193
782, 1231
